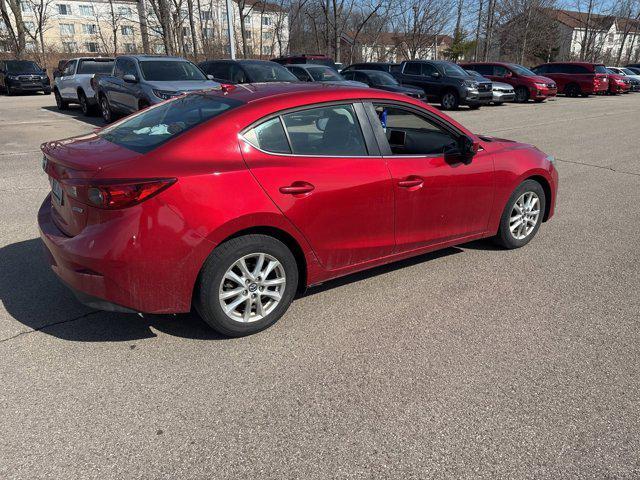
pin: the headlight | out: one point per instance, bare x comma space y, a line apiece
552, 159
12, 77
541, 85
165, 94
470, 84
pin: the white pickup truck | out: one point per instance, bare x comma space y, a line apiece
74, 83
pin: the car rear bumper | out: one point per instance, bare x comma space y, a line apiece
118, 268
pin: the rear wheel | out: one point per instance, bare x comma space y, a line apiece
105, 109
522, 215
497, 104
60, 103
450, 100
246, 285
522, 95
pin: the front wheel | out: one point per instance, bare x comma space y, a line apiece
246, 285
450, 101
522, 95
60, 103
84, 104
522, 215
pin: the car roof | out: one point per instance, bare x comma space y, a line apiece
146, 58
101, 59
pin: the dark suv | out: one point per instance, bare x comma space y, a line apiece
315, 59
23, 76
246, 71
446, 83
576, 78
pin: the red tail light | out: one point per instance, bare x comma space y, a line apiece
118, 194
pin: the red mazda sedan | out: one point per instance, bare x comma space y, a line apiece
232, 201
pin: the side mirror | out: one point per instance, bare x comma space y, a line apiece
321, 123
130, 78
467, 148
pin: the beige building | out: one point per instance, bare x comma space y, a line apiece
114, 27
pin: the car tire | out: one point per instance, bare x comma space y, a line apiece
105, 109
222, 282
474, 107
539, 100
450, 100
86, 108
60, 103
47, 91
498, 104
572, 90
522, 95
522, 215
10, 91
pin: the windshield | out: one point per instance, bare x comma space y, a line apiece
163, 71
324, 74
382, 78
22, 66
627, 71
154, 126
95, 66
453, 70
473, 73
520, 70
600, 69
268, 72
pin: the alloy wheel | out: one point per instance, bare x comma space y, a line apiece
252, 287
84, 105
524, 215
106, 111
448, 101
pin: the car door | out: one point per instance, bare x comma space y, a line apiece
432, 80
131, 93
324, 172
65, 85
438, 197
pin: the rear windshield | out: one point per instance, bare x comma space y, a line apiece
22, 66
95, 66
269, 72
172, 71
324, 74
156, 125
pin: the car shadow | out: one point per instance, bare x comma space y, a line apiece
33, 295
75, 112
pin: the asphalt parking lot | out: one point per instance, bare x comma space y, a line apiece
472, 362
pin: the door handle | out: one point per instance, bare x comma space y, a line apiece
411, 182
297, 188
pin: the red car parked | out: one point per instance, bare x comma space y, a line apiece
234, 200
576, 78
527, 85
618, 84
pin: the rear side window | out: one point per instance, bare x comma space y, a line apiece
600, 69
154, 126
330, 131
482, 69
93, 66
411, 68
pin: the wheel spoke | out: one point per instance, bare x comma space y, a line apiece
247, 309
233, 305
275, 281
233, 276
231, 293
259, 306
258, 267
270, 266
243, 268
274, 295
515, 225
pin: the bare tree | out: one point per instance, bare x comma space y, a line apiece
40, 10
15, 30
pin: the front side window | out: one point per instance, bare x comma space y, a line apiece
409, 133
154, 126
520, 70
69, 68
453, 70
329, 131
163, 71
428, 69
600, 69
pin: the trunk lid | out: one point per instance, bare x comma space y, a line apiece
72, 162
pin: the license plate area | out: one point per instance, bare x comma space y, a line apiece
56, 191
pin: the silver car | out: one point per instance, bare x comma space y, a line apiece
502, 92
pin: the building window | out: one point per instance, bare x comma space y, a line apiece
126, 30
206, 15
207, 32
64, 9
67, 29
129, 47
247, 20
92, 47
70, 47
267, 35
266, 50
86, 10
30, 26
30, 46
124, 11
247, 34
266, 21
25, 7
90, 29
159, 49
